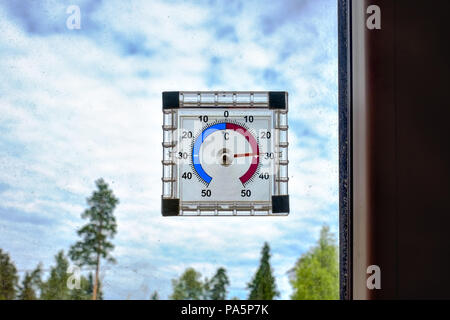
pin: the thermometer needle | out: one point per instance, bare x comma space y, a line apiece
245, 155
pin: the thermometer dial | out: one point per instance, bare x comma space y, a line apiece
232, 147
225, 153
226, 156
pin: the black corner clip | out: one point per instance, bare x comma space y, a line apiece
170, 207
280, 204
170, 99
278, 100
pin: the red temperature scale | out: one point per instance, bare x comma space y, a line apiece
225, 153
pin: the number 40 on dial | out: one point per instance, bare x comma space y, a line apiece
225, 153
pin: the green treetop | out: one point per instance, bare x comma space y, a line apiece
84, 292
55, 288
218, 285
188, 287
263, 286
8, 277
95, 236
154, 296
317, 271
31, 284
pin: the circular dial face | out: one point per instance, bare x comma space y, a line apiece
230, 150
225, 156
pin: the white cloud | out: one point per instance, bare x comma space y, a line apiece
73, 108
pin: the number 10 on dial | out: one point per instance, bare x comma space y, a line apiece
225, 153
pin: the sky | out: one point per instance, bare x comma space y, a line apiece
80, 104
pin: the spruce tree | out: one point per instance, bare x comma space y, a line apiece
96, 234
218, 285
31, 284
55, 288
262, 286
8, 277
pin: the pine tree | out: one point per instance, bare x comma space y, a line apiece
8, 277
55, 288
188, 287
317, 271
262, 286
31, 284
218, 285
95, 235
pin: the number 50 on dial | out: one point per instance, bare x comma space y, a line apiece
225, 153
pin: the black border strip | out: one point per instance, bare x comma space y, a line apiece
345, 150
